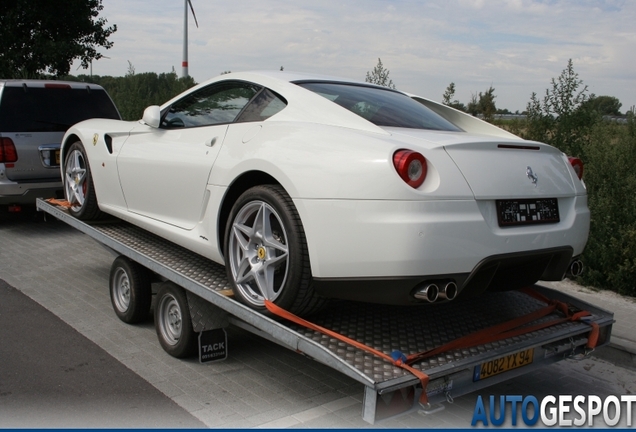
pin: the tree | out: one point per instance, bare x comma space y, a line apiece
133, 92
483, 105
486, 104
449, 94
43, 36
473, 106
380, 76
562, 118
447, 98
604, 105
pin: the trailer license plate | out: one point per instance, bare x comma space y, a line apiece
527, 211
503, 364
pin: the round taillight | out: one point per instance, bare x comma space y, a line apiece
411, 167
577, 164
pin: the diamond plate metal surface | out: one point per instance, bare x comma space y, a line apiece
205, 315
193, 266
385, 328
421, 328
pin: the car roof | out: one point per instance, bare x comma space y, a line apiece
283, 81
288, 77
35, 83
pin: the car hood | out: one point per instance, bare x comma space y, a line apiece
499, 168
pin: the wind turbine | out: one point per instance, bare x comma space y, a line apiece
184, 64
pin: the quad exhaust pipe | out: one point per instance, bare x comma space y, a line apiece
448, 291
428, 292
431, 292
575, 268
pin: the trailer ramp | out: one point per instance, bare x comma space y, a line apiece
389, 389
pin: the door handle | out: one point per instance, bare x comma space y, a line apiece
211, 142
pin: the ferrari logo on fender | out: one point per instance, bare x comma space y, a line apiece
261, 253
95, 138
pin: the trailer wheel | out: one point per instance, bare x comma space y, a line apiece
78, 184
173, 323
130, 290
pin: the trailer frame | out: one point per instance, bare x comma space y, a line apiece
389, 390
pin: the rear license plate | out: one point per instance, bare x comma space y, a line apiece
527, 211
57, 157
503, 364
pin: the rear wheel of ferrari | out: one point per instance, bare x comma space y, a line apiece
78, 184
266, 252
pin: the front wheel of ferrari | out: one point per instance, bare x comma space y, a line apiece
266, 252
78, 184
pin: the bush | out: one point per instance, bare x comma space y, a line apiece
610, 255
566, 119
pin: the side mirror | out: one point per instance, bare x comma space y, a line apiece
152, 116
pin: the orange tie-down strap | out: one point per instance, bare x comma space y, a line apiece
58, 202
515, 327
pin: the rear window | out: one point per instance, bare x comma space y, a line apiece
52, 109
382, 107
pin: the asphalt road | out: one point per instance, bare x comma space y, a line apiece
51, 376
67, 361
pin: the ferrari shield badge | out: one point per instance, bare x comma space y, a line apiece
95, 138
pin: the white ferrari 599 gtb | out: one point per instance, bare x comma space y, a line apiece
307, 187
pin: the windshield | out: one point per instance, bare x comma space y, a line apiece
382, 107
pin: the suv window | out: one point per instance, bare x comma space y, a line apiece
52, 109
382, 107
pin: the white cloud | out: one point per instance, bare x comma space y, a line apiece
516, 46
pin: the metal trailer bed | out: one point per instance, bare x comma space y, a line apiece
388, 388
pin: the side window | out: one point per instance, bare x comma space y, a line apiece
215, 104
262, 107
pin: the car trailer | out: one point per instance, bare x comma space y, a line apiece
403, 355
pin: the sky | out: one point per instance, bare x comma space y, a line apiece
515, 46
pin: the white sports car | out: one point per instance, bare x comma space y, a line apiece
308, 187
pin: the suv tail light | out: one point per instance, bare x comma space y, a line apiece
411, 167
577, 164
8, 153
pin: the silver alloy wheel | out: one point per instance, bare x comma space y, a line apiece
75, 182
258, 252
170, 319
120, 287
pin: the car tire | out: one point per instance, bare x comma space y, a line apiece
173, 323
78, 184
266, 252
130, 290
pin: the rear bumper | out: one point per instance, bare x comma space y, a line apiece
495, 273
26, 192
402, 239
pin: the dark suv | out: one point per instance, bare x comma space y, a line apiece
34, 114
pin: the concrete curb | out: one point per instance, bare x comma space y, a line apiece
619, 352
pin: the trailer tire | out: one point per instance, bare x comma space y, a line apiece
130, 290
79, 189
173, 323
